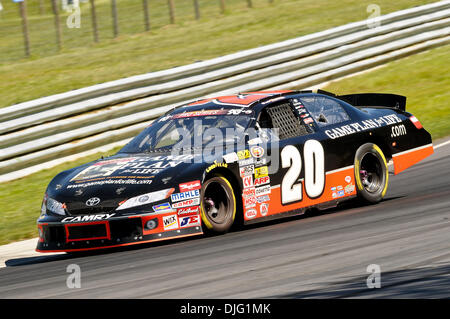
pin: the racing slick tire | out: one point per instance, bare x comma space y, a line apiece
371, 173
218, 205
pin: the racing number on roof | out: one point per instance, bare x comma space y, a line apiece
314, 171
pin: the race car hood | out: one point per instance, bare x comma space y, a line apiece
115, 179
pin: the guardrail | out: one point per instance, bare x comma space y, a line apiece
90, 120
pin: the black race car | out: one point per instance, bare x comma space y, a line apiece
246, 158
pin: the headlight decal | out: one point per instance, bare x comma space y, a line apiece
145, 199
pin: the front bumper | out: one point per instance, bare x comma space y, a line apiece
56, 236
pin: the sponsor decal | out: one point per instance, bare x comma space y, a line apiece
187, 203
339, 188
262, 199
262, 180
231, 157
349, 188
87, 218
348, 179
162, 207
250, 202
194, 210
247, 192
243, 154
185, 195
255, 140
333, 189
257, 151
398, 130
308, 120
199, 113
247, 170
274, 100
362, 126
251, 213
102, 168
123, 168
340, 193
189, 221
239, 111
215, 165
170, 222
261, 162
93, 201
261, 171
189, 186
263, 190
247, 161
248, 181
264, 209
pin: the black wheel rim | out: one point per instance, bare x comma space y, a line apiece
371, 173
217, 202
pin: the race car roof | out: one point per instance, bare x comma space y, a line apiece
241, 100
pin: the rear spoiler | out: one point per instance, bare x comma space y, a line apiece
387, 100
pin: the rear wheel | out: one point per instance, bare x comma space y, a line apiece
371, 173
218, 205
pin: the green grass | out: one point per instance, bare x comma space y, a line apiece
423, 78
82, 62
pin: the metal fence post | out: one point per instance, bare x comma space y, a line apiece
26, 36
197, 9
94, 21
146, 15
222, 6
171, 11
57, 24
114, 16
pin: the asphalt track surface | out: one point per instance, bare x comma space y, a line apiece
321, 255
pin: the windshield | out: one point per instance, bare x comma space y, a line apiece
198, 129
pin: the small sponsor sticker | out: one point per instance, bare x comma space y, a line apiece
230, 157
189, 221
247, 192
257, 151
162, 207
247, 161
261, 171
243, 154
185, 195
247, 170
348, 179
264, 209
189, 186
308, 120
248, 181
170, 222
262, 180
187, 203
350, 188
262, 199
251, 213
193, 210
250, 202
263, 190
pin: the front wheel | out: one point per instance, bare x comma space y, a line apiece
371, 173
218, 205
